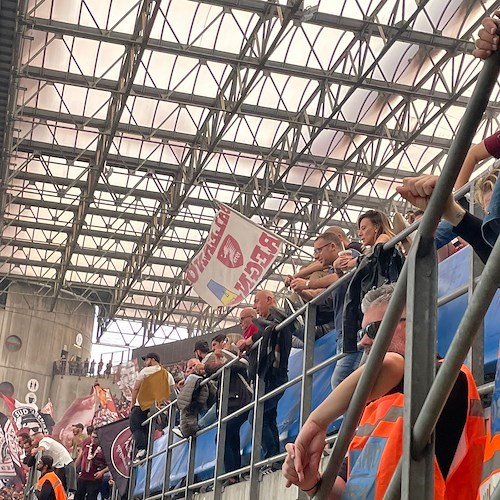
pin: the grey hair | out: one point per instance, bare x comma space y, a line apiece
378, 297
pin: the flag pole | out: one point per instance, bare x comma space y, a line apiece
284, 240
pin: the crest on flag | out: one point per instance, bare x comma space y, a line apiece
236, 256
230, 253
25, 415
117, 444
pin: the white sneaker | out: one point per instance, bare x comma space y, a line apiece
177, 432
139, 455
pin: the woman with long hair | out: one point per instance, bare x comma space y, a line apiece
373, 228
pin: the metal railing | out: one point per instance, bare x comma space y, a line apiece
425, 400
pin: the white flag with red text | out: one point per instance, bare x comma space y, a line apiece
234, 259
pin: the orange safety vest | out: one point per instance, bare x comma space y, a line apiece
376, 448
491, 468
56, 483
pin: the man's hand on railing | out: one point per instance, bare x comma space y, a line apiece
418, 191
487, 43
301, 466
299, 284
309, 483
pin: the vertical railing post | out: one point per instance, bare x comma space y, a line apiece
475, 359
149, 450
132, 477
258, 418
188, 493
168, 453
221, 431
420, 363
307, 363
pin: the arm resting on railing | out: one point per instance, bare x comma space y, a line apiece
302, 469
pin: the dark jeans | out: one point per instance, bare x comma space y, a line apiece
87, 490
232, 446
270, 434
140, 432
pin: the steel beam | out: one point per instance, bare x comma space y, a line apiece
330, 21
183, 99
132, 59
236, 181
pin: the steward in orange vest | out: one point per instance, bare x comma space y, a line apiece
376, 448
49, 486
490, 481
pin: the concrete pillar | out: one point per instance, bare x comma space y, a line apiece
32, 337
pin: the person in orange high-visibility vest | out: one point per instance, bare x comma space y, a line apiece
490, 481
376, 448
49, 486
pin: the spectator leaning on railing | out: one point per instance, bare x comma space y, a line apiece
271, 365
240, 394
376, 448
376, 267
153, 385
192, 398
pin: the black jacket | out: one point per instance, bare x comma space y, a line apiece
272, 364
469, 229
374, 270
240, 393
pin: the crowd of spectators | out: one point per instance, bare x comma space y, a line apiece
74, 366
79, 470
10, 492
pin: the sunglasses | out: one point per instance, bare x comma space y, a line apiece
371, 329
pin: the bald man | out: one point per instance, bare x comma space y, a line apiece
247, 326
272, 366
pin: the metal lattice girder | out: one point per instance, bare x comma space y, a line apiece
247, 110
170, 169
342, 23
315, 130
193, 163
144, 23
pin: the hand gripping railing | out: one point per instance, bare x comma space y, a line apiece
420, 269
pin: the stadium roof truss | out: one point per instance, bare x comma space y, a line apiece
121, 121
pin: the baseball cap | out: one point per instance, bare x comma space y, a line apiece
78, 425
152, 355
202, 345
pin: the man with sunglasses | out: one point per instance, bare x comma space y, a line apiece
376, 447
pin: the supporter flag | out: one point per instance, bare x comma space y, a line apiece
80, 411
116, 443
10, 452
48, 409
25, 415
234, 259
106, 411
125, 377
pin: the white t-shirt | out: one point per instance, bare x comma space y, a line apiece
149, 370
57, 451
